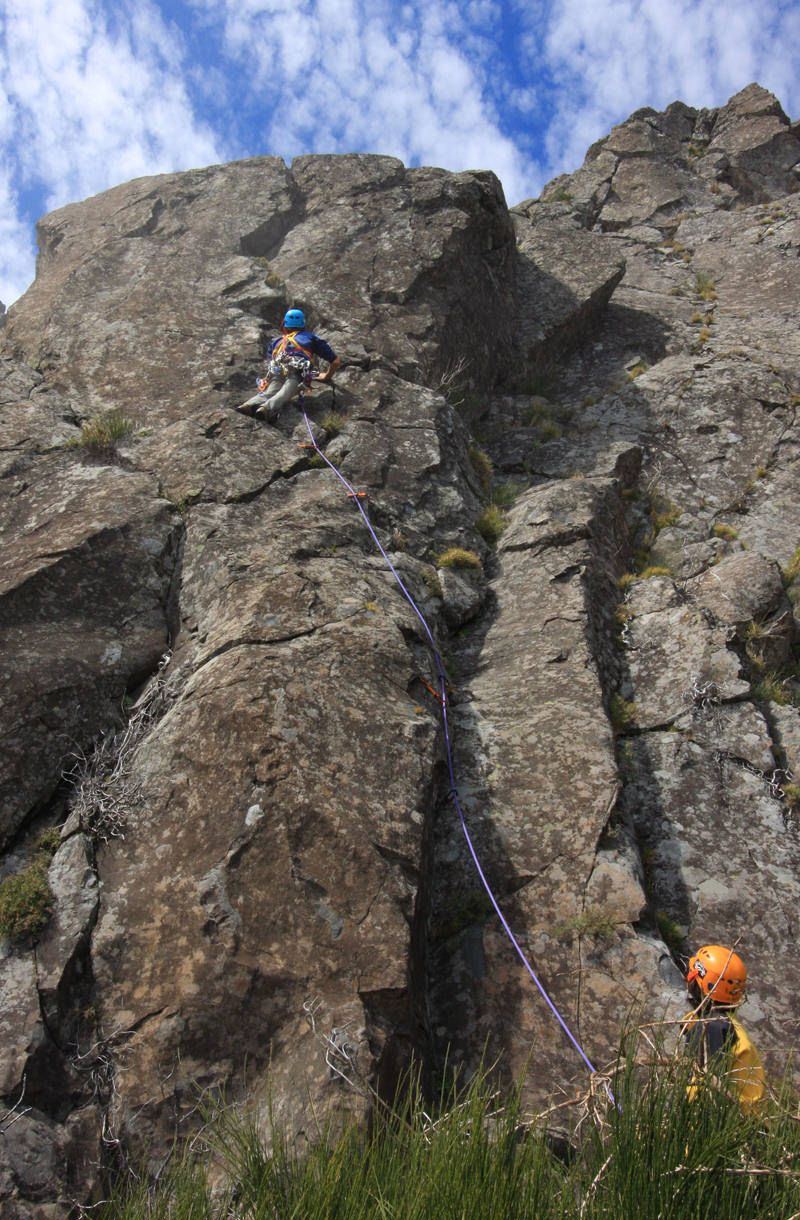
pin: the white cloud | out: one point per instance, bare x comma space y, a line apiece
611, 57
96, 101
347, 75
17, 254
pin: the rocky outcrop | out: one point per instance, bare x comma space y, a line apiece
259, 869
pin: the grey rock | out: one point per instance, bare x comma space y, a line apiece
292, 859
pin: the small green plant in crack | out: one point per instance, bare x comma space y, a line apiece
491, 523
704, 286
462, 911
791, 794
432, 583
622, 615
26, 900
506, 494
271, 278
663, 513
792, 569
550, 431
458, 557
596, 922
482, 465
640, 367
560, 194
333, 423
777, 686
672, 934
100, 434
622, 713
724, 531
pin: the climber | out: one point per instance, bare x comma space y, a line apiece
290, 361
716, 982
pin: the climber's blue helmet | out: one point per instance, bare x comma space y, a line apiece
294, 319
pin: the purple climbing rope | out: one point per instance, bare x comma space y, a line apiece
441, 674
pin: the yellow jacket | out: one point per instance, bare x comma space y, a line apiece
745, 1070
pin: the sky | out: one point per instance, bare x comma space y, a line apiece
95, 92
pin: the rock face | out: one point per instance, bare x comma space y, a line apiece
260, 872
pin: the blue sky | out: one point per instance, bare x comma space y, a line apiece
95, 93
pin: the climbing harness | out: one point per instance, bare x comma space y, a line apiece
357, 498
285, 360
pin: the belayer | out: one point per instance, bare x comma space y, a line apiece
721, 1048
291, 367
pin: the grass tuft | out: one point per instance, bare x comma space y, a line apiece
704, 286
100, 434
777, 686
654, 569
792, 569
672, 933
333, 422
595, 922
726, 532
458, 557
491, 523
791, 794
482, 465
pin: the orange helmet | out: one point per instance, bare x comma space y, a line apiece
719, 973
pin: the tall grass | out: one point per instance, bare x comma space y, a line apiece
650, 1155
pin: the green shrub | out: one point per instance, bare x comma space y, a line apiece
491, 523
458, 557
724, 531
26, 900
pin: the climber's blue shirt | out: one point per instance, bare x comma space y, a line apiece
311, 342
